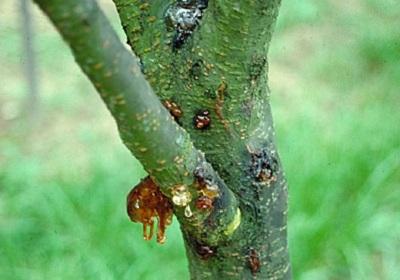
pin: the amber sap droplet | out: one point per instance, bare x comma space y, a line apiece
210, 191
202, 119
173, 109
206, 186
180, 195
188, 211
146, 202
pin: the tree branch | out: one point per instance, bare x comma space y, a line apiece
145, 126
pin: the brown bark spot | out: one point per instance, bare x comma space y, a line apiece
254, 261
173, 109
146, 202
202, 119
204, 203
204, 251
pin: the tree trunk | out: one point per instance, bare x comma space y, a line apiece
207, 62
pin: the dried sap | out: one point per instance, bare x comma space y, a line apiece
146, 202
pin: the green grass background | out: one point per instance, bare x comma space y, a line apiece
335, 80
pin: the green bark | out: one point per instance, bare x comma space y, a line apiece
219, 67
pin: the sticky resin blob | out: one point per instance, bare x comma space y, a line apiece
207, 187
145, 203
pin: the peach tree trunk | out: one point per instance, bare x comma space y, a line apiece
206, 62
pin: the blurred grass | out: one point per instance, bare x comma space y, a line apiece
335, 77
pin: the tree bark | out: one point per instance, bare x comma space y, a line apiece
207, 62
